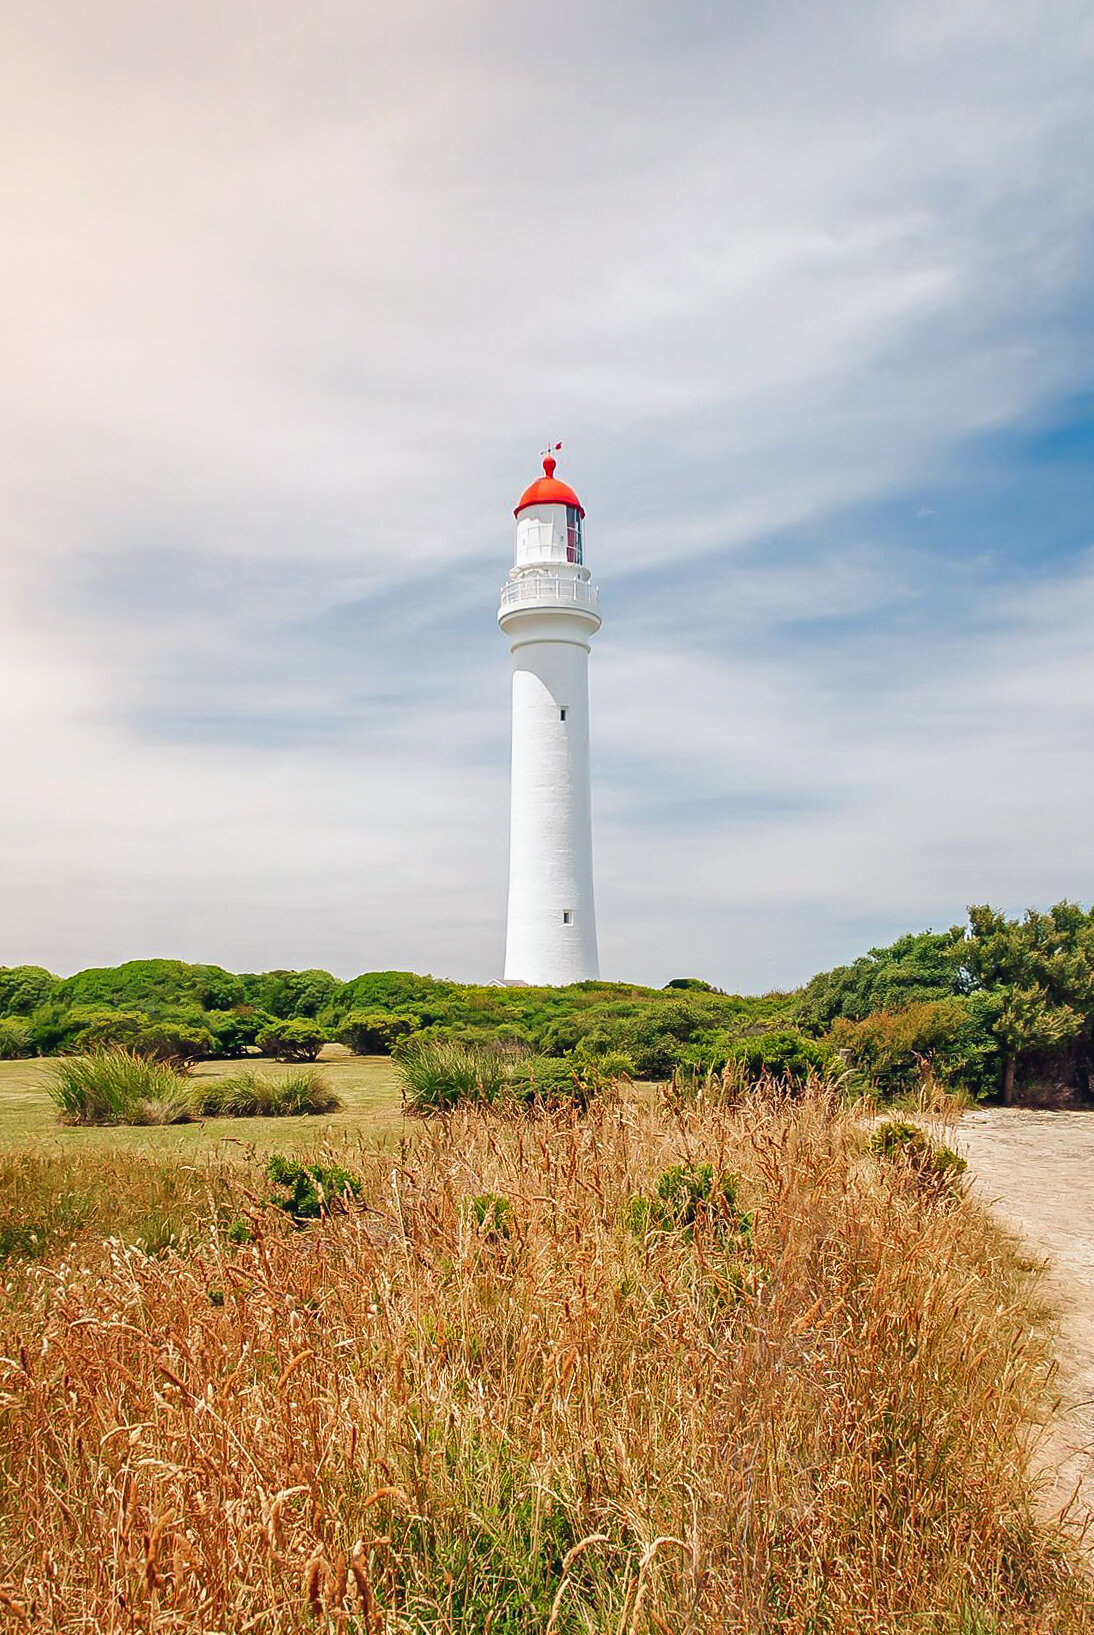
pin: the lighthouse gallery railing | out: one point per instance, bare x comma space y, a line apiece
544, 590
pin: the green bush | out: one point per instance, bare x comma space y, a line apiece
23, 988
892, 1048
376, 1033
288, 994
309, 1191
92, 1028
179, 1043
117, 1086
248, 1094
158, 987
783, 1055
935, 1168
552, 1080
234, 1030
492, 1215
15, 1038
690, 1195
293, 1041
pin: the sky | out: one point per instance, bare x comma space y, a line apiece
292, 298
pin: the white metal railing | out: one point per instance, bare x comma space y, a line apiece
545, 590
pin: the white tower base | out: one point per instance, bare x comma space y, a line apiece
551, 932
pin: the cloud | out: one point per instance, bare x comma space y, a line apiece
292, 300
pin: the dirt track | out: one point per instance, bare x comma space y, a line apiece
1037, 1171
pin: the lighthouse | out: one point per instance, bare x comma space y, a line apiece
549, 612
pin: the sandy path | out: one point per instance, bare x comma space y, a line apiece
1037, 1171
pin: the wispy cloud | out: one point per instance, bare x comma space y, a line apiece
290, 301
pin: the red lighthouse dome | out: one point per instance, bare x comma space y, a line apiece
547, 490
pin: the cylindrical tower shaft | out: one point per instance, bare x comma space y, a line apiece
549, 611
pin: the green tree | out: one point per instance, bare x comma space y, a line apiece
23, 988
1039, 975
376, 1033
292, 1040
919, 966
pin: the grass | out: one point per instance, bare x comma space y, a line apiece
476, 1400
115, 1086
438, 1074
367, 1087
247, 1094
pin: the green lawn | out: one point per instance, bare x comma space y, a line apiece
368, 1086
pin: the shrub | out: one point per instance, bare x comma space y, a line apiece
179, 1043
690, 1195
248, 1094
23, 988
92, 1028
289, 994
439, 1073
309, 1191
492, 1215
786, 1056
551, 1080
376, 1033
117, 1086
234, 1030
292, 1041
935, 1168
890, 1048
15, 1039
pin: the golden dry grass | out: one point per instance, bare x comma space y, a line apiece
397, 1421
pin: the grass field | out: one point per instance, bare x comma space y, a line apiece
491, 1398
367, 1085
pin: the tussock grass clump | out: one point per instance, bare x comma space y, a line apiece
248, 1094
426, 1413
439, 1074
118, 1086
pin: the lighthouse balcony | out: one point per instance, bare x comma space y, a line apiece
549, 591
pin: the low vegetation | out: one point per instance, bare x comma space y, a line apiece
115, 1085
998, 1008
249, 1094
457, 1390
439, 1074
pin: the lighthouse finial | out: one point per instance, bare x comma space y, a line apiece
549, 461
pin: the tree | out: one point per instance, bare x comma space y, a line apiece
1039, 975
23, 988
376, 1033
919, 966
292, 1040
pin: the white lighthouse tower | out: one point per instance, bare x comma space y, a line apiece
549, 611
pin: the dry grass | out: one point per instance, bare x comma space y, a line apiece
402, 1420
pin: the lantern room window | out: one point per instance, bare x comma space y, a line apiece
573, 534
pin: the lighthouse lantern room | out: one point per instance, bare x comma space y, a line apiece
549, 612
